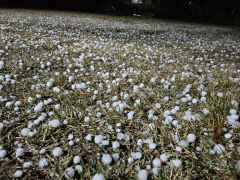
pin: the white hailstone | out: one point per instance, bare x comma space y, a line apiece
25, 131
152, 146
69, 173
166, 98
235, 103
43, 162
176, 163
98, 139
2, 64
158, 105
136, 155
18, 174
191, 137
19, 145
56, 89
87, 119
1, 127
120, 136
27, 164
219, 148
178, 149
54, 123
155, 171
115, 98
105, 143
106, 159
88, 137
57, 106
98, 115
233, 111
175, 123
49, 83
174, 111
156, 162
137, 168
220, 94
115, 156
205, 111
115, 145
98, 177
38, 107
79, 169
16, 108
238, 149
203, 99
183, 143
20, 152
70, 137
9, 103
71, 143
194, 101
212, 152
17, 103
231, 145
30, 99
42, 151
141, 85
130, 160
140, 142
57, 151
164, 157
204, 93
198, 148
50, 113
153, 80
130, 115
148, 166
142, 174
238, 165
228, 135
38, 96
3, 154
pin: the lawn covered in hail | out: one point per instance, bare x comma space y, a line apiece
101, 97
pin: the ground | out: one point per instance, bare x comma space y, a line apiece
123, 97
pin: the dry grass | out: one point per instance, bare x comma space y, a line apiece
143, 49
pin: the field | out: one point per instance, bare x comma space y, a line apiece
120, 97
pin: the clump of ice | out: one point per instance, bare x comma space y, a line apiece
57, 151
43, 162
164, 157
2, 64
76, 159
156, 162
79, 169
69, 173
106, 159
3, 154
98, 139
54, 123
18, 174
191, 137
20, 152
98, 177
176, 163
142, 174
219, 148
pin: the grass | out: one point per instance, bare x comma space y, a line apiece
98, 50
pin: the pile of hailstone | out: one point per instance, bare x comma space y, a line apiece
87, 97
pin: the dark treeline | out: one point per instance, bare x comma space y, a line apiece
226, 11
